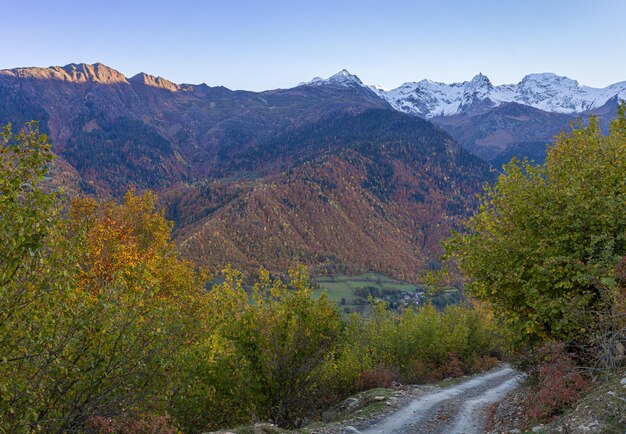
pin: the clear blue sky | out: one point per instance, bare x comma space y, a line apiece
265, 44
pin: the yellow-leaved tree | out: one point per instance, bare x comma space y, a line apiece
93, 306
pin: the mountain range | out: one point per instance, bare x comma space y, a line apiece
548, 92
334, 173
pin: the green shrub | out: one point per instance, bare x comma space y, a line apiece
422, 345
544, 246
262, 360
286, 339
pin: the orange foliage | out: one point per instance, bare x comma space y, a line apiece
379, 376
128, 244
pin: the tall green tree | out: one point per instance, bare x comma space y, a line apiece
543, 247
29, 221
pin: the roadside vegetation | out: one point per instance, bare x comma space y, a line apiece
547, 251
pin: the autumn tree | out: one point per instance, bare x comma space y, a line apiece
136, 304
93, 306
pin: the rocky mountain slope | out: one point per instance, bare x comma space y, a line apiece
510, 129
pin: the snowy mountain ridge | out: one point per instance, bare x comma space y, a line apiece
427, 98
545, 91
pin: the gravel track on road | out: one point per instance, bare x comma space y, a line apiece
454, 409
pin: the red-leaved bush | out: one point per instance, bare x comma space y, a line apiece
425, 372
379, 376
144, 424
558, 385
453, 367
429, 372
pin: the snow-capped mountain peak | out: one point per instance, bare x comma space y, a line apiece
342, 78
478, 87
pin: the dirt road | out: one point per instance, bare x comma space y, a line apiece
454, 409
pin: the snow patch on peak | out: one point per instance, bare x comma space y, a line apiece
343, 73
480, 80
547, 77
343, 78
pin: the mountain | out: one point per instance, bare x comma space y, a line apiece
150, 132
327, 173
498, 122
334, 173
376, 190
196, 127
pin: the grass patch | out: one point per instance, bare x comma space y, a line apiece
336, 291
343, 286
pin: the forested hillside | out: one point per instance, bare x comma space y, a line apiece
373, 191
